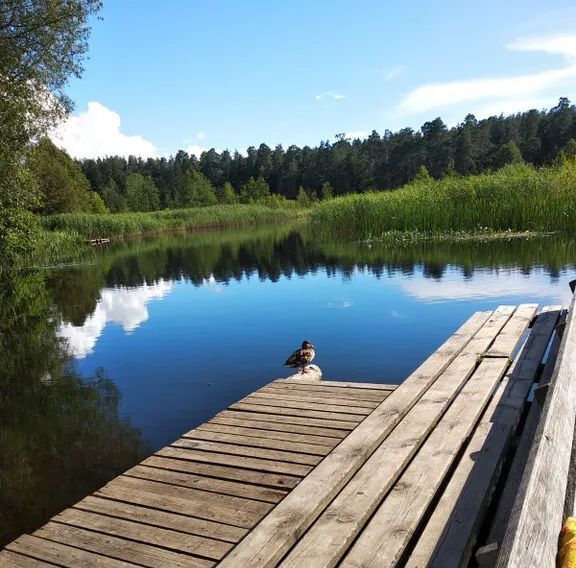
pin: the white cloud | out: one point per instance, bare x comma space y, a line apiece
356, 134
330, 95
96, 133
559, 44
504, 94
195, 149
201, 135
122, 306
394, 72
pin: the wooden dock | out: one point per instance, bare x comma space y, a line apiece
305, 473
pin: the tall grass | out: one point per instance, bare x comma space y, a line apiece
91, 225
517, 197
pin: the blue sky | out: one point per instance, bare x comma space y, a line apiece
185, 74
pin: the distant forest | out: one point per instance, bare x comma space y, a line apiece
379, 162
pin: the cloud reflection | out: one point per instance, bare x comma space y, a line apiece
484, 285
123, 306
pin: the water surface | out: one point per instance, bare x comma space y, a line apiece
105, 362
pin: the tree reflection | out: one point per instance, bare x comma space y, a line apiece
61, 436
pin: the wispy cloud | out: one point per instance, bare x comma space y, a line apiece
558, 44
330, 95
502, 94
96, 132
394, 72
201, 135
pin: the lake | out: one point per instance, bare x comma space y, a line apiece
107, 361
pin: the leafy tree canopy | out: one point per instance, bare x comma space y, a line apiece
42, 44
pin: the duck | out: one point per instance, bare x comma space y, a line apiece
301, 357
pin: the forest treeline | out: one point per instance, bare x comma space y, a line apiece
378, 162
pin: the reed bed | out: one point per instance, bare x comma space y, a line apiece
90, 225
516, 198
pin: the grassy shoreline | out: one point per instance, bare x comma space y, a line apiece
91, 225
517, 199
63, 237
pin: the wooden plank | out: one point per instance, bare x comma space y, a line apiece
260, 433
121, 528
384, 538
260, 453
139, 552
322, 394
328, 539
532, 535
241, 440
265, 479
63, 555
450, 534
278, 531
202, 504
207, 484
507, 339
232, 419
325, 415
280, 420
290, 403
174, 521
12, 560
344, 403
484, 556
294, 469
321, 390
344, 384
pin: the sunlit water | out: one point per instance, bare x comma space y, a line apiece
176, 328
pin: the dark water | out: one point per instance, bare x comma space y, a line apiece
103, 363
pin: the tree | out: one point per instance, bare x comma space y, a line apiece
42, 44
508, 153
226, 194
327, 191
254, 190
303, 199
422, 175
113, 199
141, 193
62, 184
198, 191
96, 203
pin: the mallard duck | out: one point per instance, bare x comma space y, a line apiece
301, 357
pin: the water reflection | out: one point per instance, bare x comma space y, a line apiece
121, 306
61, 435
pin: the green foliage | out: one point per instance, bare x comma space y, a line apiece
41, 45
254, 191
141, 193
508, 153
518, 197
112, 197
63, 186
226, 194
122, 224
303, 199
97, 204
198, 191
327, 192
422, 174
